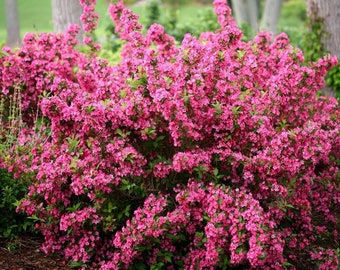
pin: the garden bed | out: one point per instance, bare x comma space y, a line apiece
24, 254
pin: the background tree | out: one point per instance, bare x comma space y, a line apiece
324, 38
271, 15
12, 23
328, 12
64, 13
248, 12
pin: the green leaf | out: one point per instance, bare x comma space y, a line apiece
156, 241
122, 93
215, 171
157, 266
167, 255
122, 134
221, 55
290, 206
149, 131
217, 107
240, 53
74, 208
287, 264
140, 266
73, 143
35, 218
235, 110
239, 250
89, 109
160, 138
119, 132
73, 164
106, 102
76, 264
2, 53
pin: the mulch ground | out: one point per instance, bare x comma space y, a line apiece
24, 254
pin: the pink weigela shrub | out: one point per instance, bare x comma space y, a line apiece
212, 154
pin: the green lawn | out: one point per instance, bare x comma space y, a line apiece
36, 16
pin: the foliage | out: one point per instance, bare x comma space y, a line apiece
153, 13
333, 80
213, 154
205, 21
169, 18
176, 3
12, 187
11, 191
295, 8
293, 20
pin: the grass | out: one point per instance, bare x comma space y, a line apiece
36, 16
293, 20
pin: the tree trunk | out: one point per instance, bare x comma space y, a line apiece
253, 13
240, 9
329, 12
66, 12
271, 15
12, 23
246, 12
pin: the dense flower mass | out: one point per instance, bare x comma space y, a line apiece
212, 154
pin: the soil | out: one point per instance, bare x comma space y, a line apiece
24, 254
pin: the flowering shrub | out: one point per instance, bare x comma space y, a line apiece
214, 154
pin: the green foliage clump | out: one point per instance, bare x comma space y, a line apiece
312, 41
12, 188
11, 191
154, 12
112, 42
295, 9
205, 21
176, 2
293, 20
333, 80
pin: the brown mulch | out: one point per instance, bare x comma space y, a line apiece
24, 254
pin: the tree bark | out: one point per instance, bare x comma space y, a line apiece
271, 16
12, 23
240, 9
253, 13
329, 12
66, 12
246, 12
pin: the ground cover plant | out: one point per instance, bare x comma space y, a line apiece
214, 154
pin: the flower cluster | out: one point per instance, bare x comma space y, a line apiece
89, 18
208, 224
214, 153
